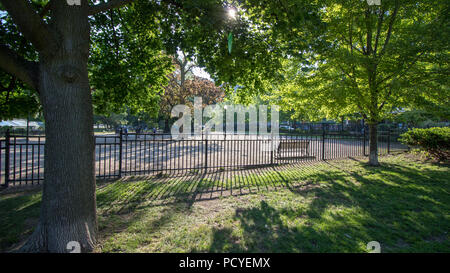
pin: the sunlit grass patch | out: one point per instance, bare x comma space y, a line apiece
335, 206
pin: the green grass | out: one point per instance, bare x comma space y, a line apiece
18, 217
335, 206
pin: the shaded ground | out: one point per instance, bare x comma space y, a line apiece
335, 206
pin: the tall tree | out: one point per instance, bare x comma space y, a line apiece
376, 59
174, 92
183, 86
60, 78
60, 35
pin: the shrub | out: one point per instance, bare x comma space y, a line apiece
434, 141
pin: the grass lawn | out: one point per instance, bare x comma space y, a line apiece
335, 206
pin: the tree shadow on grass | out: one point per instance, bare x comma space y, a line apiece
404, 208
19, 216
265, 231
134, 223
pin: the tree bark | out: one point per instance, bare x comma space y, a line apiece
166, 126
68, 211
373, 145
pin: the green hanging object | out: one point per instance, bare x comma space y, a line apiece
230, 42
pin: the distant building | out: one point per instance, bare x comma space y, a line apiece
21, 124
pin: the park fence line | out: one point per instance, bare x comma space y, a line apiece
22, 157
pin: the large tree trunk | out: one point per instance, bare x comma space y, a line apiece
68, 211
373, 145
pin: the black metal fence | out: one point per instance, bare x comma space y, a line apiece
22, 157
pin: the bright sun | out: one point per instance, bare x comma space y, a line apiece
232, 13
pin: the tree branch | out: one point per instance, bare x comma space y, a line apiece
385, 99
400, 71
380, 22
361, 42
351, 45
18, 67
113, 27
190, 68
355, 85
9, 89
391, 24
111, 4
369, 31
45, 10
30, 24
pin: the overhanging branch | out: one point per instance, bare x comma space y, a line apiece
45, 10
30, 24
15, 65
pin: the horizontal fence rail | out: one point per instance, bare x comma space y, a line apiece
22, 157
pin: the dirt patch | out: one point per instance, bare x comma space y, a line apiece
304, 187
210, 205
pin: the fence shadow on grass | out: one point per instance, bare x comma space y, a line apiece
402, 207
165, 188
349, 204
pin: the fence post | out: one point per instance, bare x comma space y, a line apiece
7, 141
206, 154
120, 153
323, 141
364, 140
389, 141
272, 150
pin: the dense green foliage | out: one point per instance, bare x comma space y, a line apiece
377, 59
434, 141
422, 118
127, 65
315, 58
130, 46
16, 99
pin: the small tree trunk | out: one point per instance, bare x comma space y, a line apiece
373, 145
68, 211
166, 126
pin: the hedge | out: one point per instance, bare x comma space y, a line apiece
435, 141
